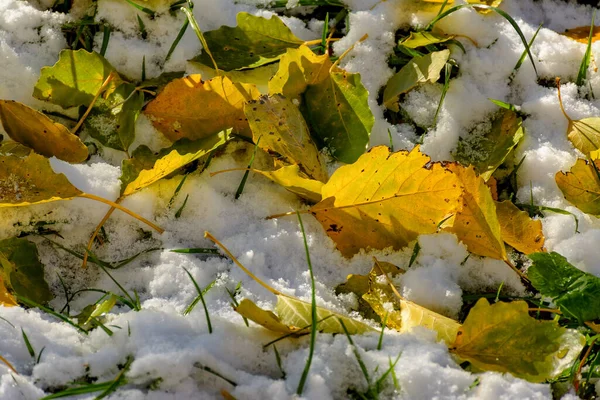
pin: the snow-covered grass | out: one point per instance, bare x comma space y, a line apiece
171, 351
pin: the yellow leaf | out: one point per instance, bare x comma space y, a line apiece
299, 68
476, 223
581, 186
29, 179
582, 33
6, 299
193, 109
278, 126
583, 133
264, 318
257, 76
414, 315
518, 229
503, 337
386, 199
35, 130
291, 178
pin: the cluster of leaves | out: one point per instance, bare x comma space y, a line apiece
311, 109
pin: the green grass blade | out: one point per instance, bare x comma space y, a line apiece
177, 190
524, 54
91, 388
148, 11
240, 188
143, 32
415, 254
278, 359
63, 318
383, 324
105, 39
234, 301
325, 34
177, 39
195, 251
585, 62
180, 210
200, 35
313, 309
447, 72
28, 344
201, 296
144, 68
39, 357
119, 380
382, 378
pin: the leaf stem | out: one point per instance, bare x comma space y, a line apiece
96, 232
110, 77
256, 279
560, 102
9, 365
287, 214
125, 210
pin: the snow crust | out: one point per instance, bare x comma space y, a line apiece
171, 350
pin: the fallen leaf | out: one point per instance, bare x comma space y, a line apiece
339, 113
22, 271
265, 318
75, 79
293, 180
424, 38
27, 178
576, 293
476, 222
278, 126
255, 41
418, 70
112, 121
413, 315
6, 299
581, 186
258, 77
487, 152
35, 130
582, 33
585, 134
193, 109
503, 337
145, 168
518, 229
299, 68
386, 200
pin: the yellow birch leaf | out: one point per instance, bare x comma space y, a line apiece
581, 186
291, 178
35, 130
264, 318
582, 33
386, 200
503, 337
476, 223
278, 126
193, 109
6, 299
299, 68
414, 315
518, 229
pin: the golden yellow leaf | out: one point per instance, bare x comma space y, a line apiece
278, 126
503, 337
35, 130
476, 223
584, 134
264, 318
193, 109
6, 299
414, 315
386, 200
518, 229
581, 186
293, 180
582, 33
299, 68
256, 76
29, 179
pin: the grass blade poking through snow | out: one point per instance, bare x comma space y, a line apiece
33, 304
28, 344
105, 39
447, 72
585, 63
361, 363
497, 11
234, 302
313, 309
524, 55
200, 297
240, 188
196, 28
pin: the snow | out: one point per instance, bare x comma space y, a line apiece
170, 350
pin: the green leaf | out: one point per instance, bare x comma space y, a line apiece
112, 121
487, 152
255, 41
576, 293
424, 38
74, 80
22, 270
145, 167
418, 70
338, 109
503, 337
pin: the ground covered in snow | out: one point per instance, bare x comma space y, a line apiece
170, 351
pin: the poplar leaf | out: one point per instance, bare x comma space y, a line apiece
265, 318
74, 80
476, 222
27, 178
585, 134
425, 38
575, 292
193, 109
255, 41
386, 200
278, 126
299, 68
581, 186
22, 271
582, 33
145, 168
291, 178
503, 337
339, 113
418, 70
35, 130
413, 315
518, 229
486, 153
257, 76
